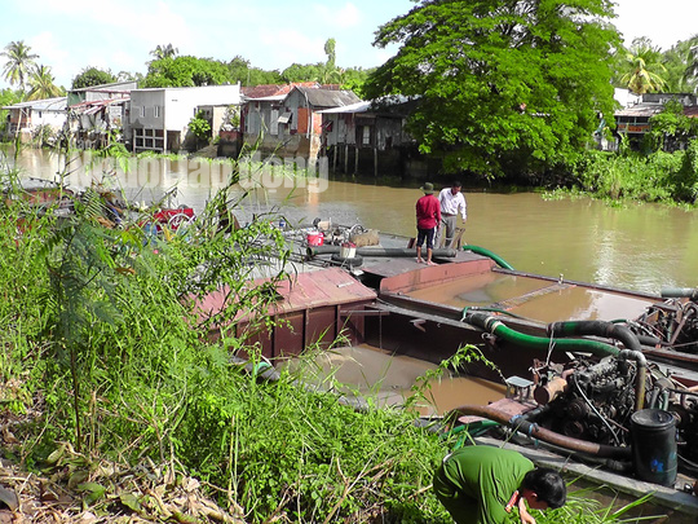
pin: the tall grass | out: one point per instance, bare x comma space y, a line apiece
658, 177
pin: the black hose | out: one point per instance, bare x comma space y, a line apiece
599, 328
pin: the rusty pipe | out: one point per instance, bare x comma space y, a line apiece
550, 391
518, 423
641, 380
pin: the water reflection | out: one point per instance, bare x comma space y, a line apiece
640, 247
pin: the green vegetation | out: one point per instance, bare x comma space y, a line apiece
200, 127
19, 63
41, 84
667, 178
92, 76
504, 87
103, 353
20, 68
644, 71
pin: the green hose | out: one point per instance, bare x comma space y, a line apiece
561, 344
495, 326
487, 253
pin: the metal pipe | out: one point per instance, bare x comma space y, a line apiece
520, 424
641, 380
681, 292
487, 253
550, 391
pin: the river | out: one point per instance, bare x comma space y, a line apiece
643, 247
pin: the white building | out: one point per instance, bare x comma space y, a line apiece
158, 118
26, 117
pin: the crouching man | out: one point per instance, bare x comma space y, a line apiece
481, 484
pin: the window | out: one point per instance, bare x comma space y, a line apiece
366, 138
142, 111
157, 112
274, 127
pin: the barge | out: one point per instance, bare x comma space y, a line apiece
594, 374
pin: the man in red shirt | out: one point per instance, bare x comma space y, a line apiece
428, 220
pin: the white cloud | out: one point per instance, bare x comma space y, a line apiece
344, 17
675, 20
53, 55
289, 46
157, 27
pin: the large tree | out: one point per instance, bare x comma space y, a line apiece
164, 51
92, 76
186, 71
505, 86
691, 74
241, 71
678, 74
19, 64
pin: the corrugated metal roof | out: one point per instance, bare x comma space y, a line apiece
328, 97
642, 110
272, 91
94, 106
112, 87
358, 107
47, 104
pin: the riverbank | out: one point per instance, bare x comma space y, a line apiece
656, 177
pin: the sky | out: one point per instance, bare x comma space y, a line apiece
71, 35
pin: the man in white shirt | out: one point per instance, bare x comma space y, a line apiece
452, 204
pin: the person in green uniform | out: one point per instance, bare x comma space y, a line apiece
481, 484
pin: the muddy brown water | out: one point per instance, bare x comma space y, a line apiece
366, 371
643, 247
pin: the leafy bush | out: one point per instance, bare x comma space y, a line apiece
200, 127
660, 177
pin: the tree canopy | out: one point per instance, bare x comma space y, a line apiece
186, 71
643, 68
504, 86
241, 71
164, 51
92, 76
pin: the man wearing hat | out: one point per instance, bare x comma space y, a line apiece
428, 219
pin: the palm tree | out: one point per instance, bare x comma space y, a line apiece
164, 51
329, 72
643, 65
42, 86
19, 63
692, 67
